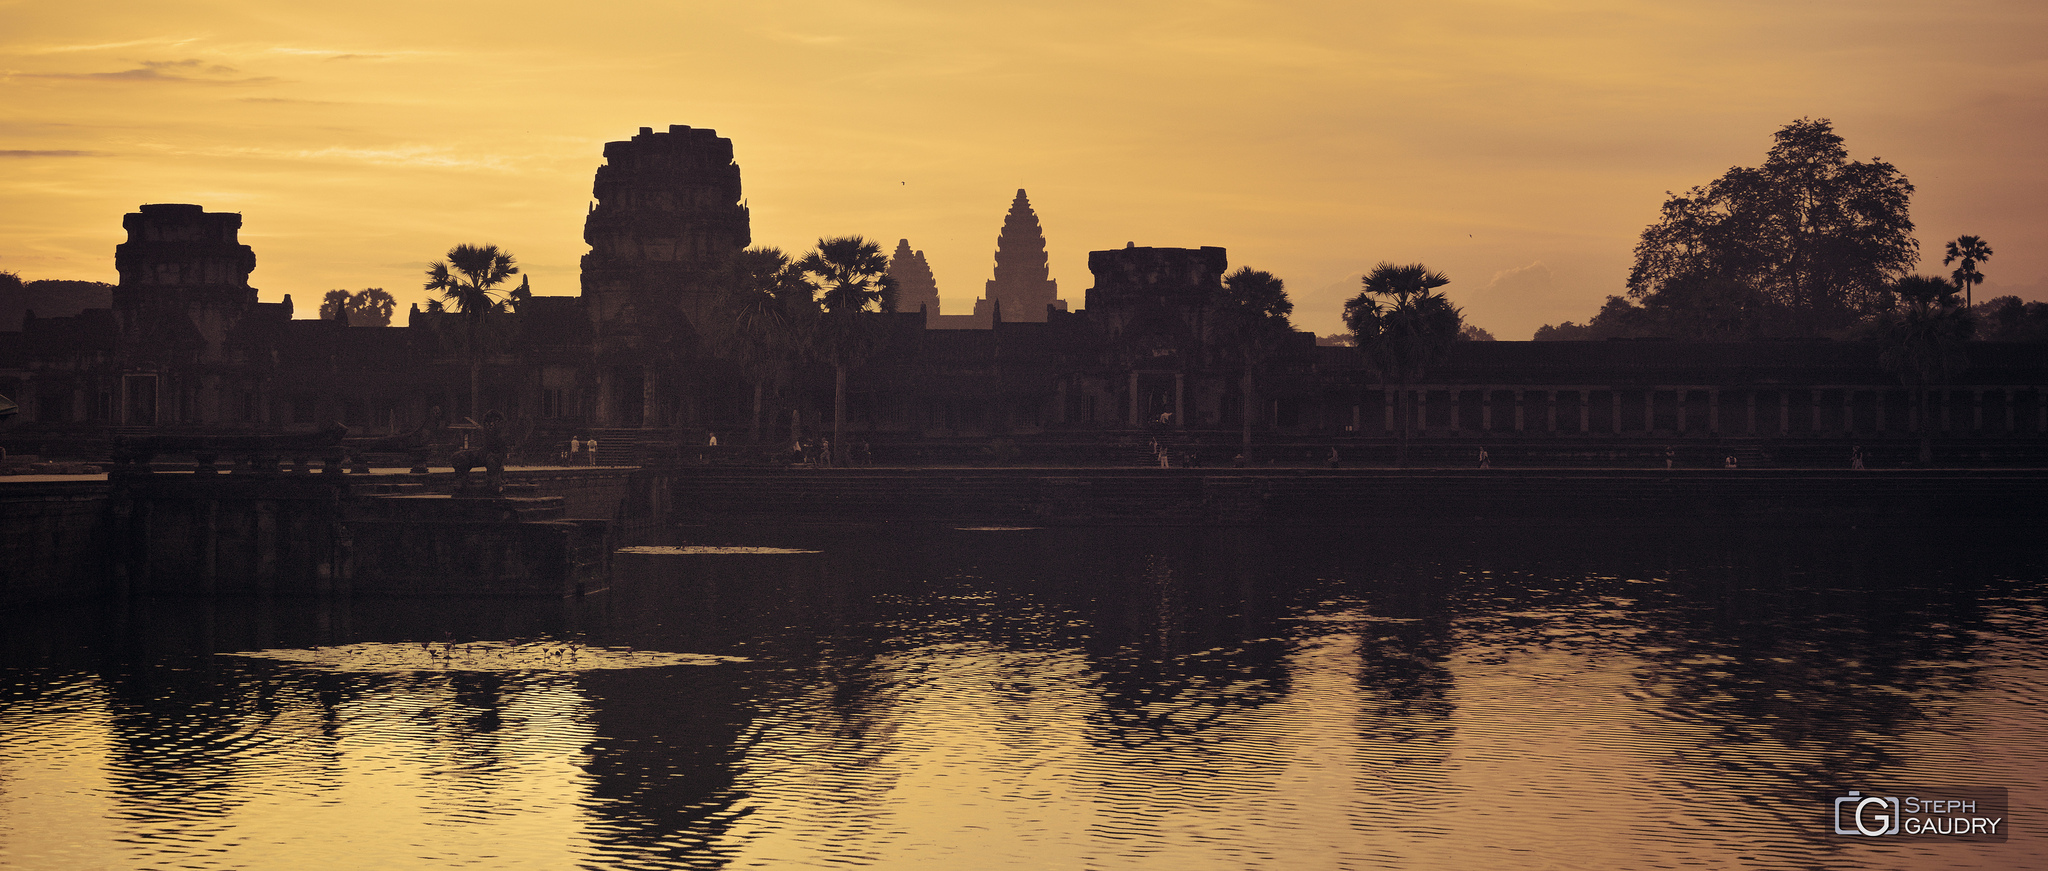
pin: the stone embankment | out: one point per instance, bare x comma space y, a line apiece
1348, 497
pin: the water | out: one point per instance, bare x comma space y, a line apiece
1421, 697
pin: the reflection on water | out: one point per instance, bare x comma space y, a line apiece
1161, 698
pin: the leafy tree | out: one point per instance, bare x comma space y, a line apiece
1250, 315
1818, 236
1922, 340
1403, 327
1696, 308
333, 305
2010, 319
763, 310
371, 307
852, 279
1972, 251
1475, 333
467, 280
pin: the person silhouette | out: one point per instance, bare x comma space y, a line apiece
1485, 460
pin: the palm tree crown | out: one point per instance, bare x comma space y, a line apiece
1972, 251
467, 277
852, 273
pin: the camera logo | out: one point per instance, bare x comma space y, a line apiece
1866, 815
1973, 813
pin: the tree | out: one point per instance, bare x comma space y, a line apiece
1403, 327
1818, 236
2011, 319
333, 305
1475, 333
1972, 251
763, 308
852, 276
1922, 341
1250, 315
467, 280
370, 307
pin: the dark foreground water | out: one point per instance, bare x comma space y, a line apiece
1428, 697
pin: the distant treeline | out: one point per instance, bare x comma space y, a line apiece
48, 298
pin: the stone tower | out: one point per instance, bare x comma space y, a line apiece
1021, 285
667, 216
179, 309
184, 281
915, 285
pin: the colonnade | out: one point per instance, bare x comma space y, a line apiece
1700, 410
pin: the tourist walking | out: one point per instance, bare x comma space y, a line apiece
1485, 460
1856, 458
1728, 463
590, 447
1333, 458
1668, 455
714, 440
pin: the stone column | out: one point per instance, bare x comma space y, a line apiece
1585, 411
1713, 411
1977, 412
1678, 410
1059, 410
1390, 398
1134, 399
2012, 411
1650, 411
1749, 413
1518, 411
1784, 412
1815, 410
1180, 383
1946, 423
1550, 410
1880, 396
1421, 422
1486, 411
1848, 411
1357, 418
1615, 419
650, 392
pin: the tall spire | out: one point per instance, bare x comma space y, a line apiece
914, 283
1021, 284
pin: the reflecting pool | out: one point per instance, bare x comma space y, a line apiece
1443, 696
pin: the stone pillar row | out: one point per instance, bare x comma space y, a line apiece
1527, 403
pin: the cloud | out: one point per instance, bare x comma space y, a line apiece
189, 70
1533, 280
290, 100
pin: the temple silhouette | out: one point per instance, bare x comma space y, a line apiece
186, 346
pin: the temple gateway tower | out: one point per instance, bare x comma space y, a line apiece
667, 217
1021, 287
915, 286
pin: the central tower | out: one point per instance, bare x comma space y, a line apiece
1021, 286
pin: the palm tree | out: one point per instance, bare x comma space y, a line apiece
1924, 343
852, 274
1972, 251
1251, 316
760, 317
1403, 327
466, 279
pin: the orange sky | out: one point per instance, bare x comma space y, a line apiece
1518, 145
